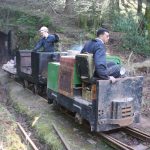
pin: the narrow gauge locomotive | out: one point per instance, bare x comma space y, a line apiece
104, 105
70, 83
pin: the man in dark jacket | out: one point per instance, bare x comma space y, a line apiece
47, 41
103, 70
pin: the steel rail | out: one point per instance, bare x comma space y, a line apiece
61, 137
27, 137
137, 133
118, 145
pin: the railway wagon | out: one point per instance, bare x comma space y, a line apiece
32, 67
104, 105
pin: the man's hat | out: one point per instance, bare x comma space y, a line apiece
43, 29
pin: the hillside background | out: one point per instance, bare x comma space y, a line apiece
77, 20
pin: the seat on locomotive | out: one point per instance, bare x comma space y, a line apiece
85, 66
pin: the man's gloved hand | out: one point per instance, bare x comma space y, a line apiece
112, 79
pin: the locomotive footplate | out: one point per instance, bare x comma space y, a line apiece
121, 122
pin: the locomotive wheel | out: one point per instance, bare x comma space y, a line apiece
56, 105
35, 89
50, 101
78, 118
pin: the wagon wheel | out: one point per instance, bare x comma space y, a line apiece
50, 100
78, 118
56, 105
35, 89
25, 84
42, 91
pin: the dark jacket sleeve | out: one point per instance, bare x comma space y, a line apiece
100, 62
52, 38
38, 45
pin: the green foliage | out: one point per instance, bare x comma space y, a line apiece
124, 23
147, 18
31, 23
133, 39
89, 22
19, 108
26, 39
90, 36
8, 138
137, 43
47, 133
27, 20
59, 30
46, 21
83, 21
27, 25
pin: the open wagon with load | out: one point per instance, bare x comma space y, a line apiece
32, 67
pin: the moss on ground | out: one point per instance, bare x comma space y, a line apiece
36, 116
9, 139
41, 116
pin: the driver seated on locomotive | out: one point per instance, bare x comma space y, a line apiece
103, 70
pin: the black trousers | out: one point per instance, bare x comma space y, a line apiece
113, 69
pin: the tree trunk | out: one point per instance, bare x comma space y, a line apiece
147, 17
140, 17
69, 7
139, 9
114, 6
117, 6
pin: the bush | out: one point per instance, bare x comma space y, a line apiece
133, 39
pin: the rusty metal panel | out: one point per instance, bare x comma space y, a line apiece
66, 75
67, 61
66, 81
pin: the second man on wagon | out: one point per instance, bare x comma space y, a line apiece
47, 41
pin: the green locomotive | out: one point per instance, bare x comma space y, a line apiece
104, 105
70, 83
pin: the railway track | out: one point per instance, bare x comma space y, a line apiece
116, 143
26, 138
119, 145
110, 139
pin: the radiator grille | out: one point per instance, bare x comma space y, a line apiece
122, 108
126, 112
